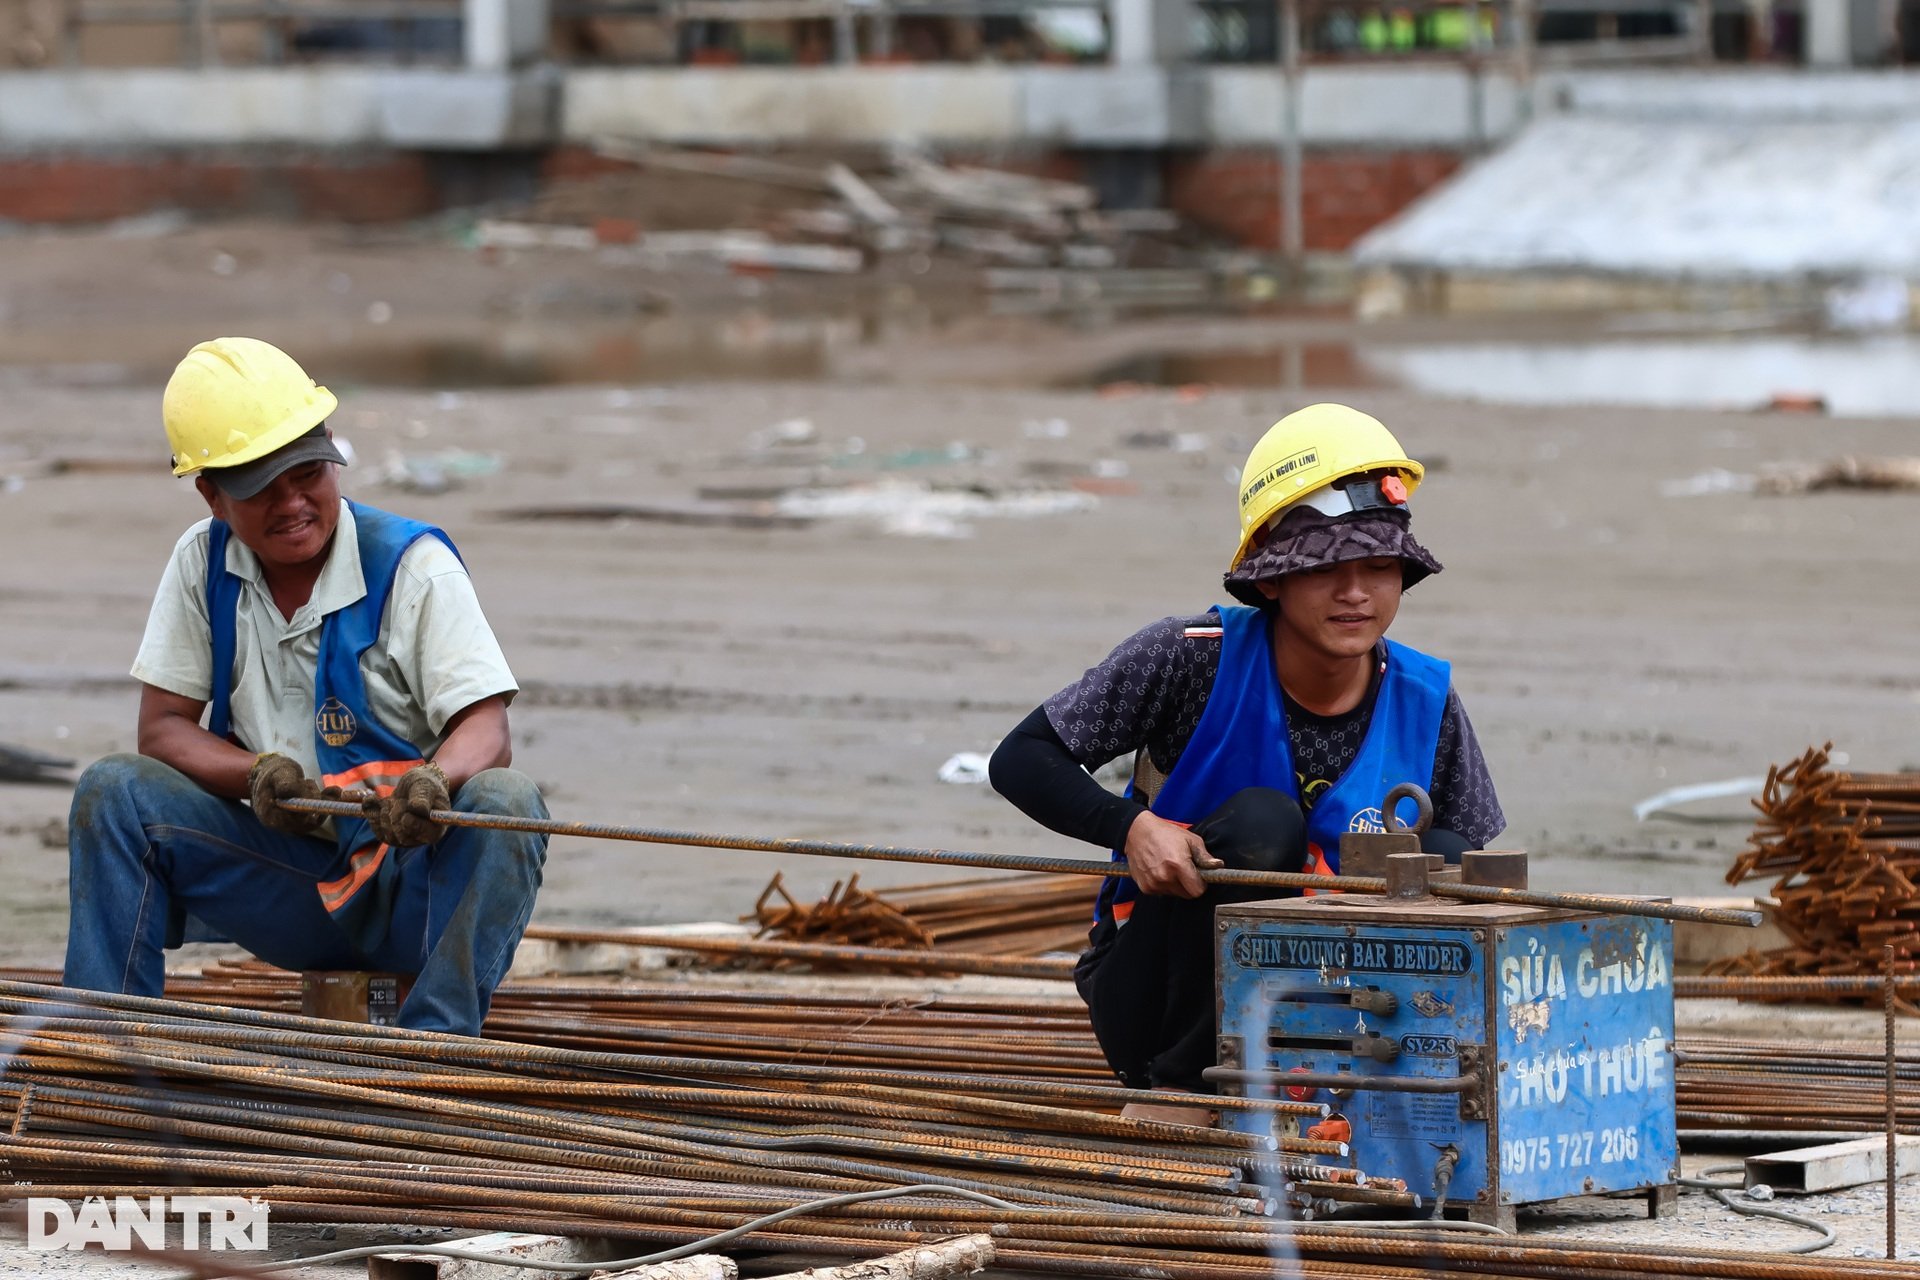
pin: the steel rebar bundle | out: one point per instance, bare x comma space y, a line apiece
1793, 1085
335, 1122
1845, 848
1723, 1083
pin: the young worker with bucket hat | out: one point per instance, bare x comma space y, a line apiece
301, 645
1260, 733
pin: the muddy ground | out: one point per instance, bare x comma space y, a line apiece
811, 679
1608, 641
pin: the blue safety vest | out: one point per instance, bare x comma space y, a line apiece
1242, 741
355, 750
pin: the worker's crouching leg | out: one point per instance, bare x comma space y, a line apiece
478, 895
117, 905
1148, 984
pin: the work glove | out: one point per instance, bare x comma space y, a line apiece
401, 819
274, 778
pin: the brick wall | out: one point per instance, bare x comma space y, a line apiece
1234, 194
353, 187
1344, 194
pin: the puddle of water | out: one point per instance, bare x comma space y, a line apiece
1856, 377
1865, 377
745, 347
1300, 364
749, 345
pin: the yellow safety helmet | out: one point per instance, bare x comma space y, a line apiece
1305, 452
233, 400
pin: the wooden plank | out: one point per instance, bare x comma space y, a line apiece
713, 163
1833, 1165
701, 1266
519, 1246
942, 1260
868, 203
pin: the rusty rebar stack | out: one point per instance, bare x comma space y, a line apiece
1845, 848
1794, 1086
334, 1122
1022, 915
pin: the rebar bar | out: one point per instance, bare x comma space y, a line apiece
1073, 866
1889, 1001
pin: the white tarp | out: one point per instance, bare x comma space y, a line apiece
1777, 196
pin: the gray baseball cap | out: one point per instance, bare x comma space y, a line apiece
249, 478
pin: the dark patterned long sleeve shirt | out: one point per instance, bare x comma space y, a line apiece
1151, 691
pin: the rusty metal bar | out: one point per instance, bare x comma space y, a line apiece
925, 960
1074, 866
1889, 1000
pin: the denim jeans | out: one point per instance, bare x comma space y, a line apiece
147, 847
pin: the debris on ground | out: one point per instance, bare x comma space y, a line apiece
964, 768
21, 764
734, 515
1778, 478
1840, 473
1053, 242
433, 472
925, 510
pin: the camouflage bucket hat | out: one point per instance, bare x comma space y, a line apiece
1307, 539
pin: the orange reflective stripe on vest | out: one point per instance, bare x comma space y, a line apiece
361, 864
377, 776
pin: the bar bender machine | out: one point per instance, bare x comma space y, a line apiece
1485, 1055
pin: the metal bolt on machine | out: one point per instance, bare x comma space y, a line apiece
1487, 1055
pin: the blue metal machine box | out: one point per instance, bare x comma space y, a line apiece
1501, 1055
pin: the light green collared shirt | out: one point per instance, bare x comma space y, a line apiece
435, 655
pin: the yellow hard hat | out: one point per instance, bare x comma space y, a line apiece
233, 400
1305, 452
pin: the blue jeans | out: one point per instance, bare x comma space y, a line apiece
147, 847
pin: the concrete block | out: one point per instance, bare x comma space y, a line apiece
757, 106
574, 957
1697, 945
328, 106
1749, 95
1375, 106
1134, 106
469, 110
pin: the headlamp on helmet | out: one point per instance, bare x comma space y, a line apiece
1318, 454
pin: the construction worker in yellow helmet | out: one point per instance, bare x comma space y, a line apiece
303, 647
1260, 732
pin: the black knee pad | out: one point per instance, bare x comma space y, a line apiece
1257, 829
1448, 844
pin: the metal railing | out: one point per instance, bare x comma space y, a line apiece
283, 23
280, 23
1481, 31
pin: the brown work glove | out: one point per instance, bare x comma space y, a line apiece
274, 778
401, 819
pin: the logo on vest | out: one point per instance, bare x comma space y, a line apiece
1368, 820
335, 724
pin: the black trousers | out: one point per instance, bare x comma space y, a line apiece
1149, 984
